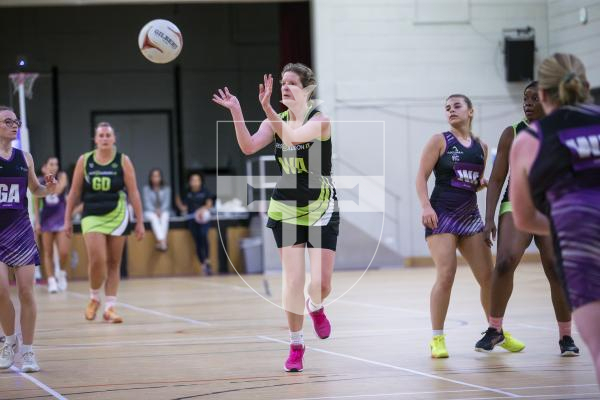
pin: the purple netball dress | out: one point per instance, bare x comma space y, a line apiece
565, 184
52, 211
454, 199
17, 243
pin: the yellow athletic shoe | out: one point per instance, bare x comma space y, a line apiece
438, 347
111, 316
91, 309
511, 344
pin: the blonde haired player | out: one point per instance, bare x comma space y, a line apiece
99, 179
555, 190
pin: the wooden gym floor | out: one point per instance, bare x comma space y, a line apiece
214, 338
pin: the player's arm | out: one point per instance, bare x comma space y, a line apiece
74, 197
63, 182
495, 183
207, 206
36, 209
134, 196
249, 143
36, 215
429, 157
526, 217
482, 181
499, 173
318, 127
181, 206
78, 209
33, 184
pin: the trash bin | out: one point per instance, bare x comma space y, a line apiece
252, 252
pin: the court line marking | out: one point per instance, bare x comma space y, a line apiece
550, 387
544, 328
234, 287
350, 302
197, 340
461, 322
148, 311
412, 371
241, 288
38, 383
533, 396
356, 396
393, 308
196, 322
481, 388
387, 308
190, 340
527, 396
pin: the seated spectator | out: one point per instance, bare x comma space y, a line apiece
196, 204
157, 207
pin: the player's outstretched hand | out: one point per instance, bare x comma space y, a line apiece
225, 99
139, 230
265, 90
51, 183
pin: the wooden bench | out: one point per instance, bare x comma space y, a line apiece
143, 260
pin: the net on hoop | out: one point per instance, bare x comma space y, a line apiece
26, 79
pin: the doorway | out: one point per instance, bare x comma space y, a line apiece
146, 137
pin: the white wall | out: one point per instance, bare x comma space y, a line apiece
396, 61
567, 34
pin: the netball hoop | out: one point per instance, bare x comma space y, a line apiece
23, 84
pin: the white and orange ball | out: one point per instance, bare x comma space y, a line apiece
160, 41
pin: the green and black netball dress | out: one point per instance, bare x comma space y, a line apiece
505, 205
304, 200
104, 200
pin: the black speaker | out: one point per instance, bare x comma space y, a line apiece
518, 58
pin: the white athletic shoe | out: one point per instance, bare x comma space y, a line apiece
62, 280
29, 363
52, 286
7, 355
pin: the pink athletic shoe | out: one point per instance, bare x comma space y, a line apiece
320, 322
294, 361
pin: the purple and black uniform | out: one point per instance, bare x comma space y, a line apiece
565, 185
454, 199
52, 211
17, 243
